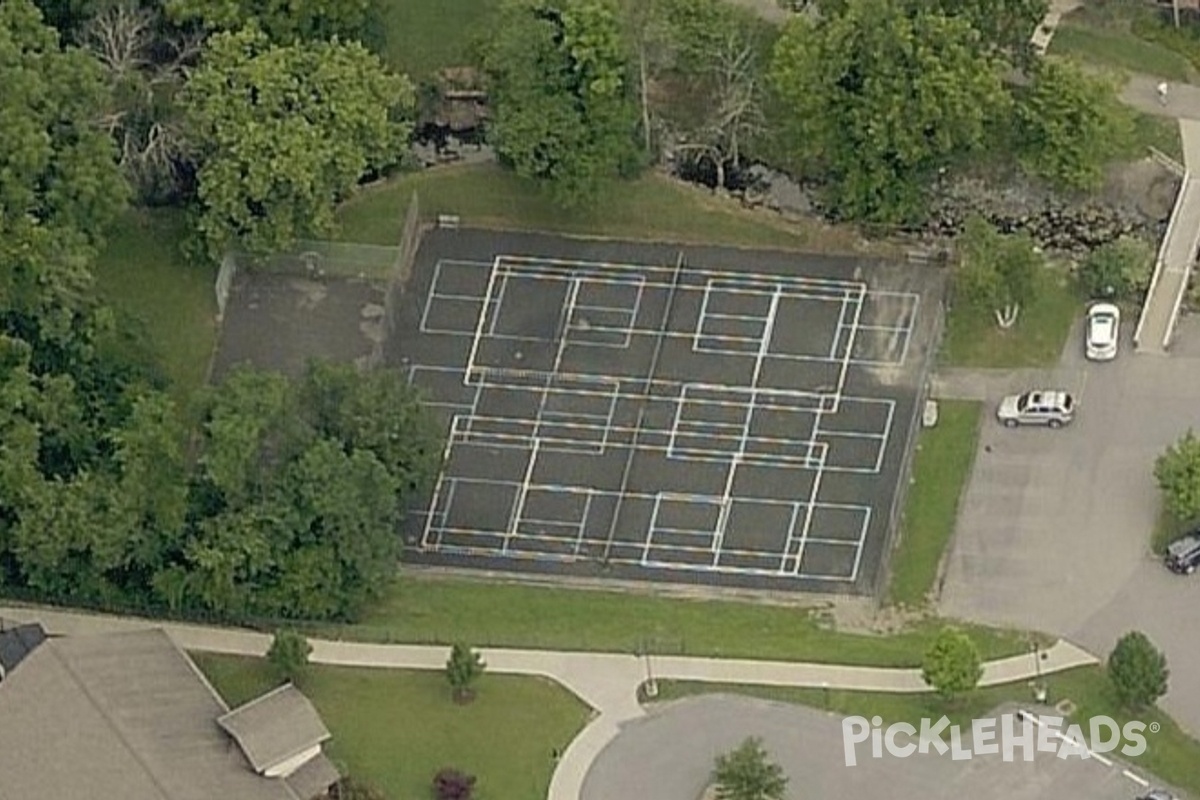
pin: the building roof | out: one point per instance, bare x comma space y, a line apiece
275, 727
123, 715
17, 642
317, 775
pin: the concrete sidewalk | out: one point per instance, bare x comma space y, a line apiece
608, 682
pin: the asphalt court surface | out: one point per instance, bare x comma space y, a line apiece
704, 415
673, 749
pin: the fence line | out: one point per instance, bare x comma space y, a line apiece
400, 269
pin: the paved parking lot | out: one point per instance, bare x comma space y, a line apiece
1055, 526
672, 750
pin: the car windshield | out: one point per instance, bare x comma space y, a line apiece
1023, 401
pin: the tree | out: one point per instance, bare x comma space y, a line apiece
562, 112
998, 271
453, 784
952, 665
745, 774
285, 131
289, 654
1177, 471
1004, 26
284, 21
462, 669
1069, 125
1138, 671
879, 97
1119, 270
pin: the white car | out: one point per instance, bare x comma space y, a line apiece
1102, 332
1052, 407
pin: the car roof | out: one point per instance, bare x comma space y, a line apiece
1050, 395
1184, 546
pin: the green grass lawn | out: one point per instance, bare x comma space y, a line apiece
974, 340
435, 610
142, 272
652, 207
1120, 49
396, 728
423, 36
1170, 754
941, 467
1161, 133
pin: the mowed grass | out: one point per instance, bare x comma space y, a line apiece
142, 272
396, 728
941, 467
652, 207
443, 610
1120, 49
423, 36
974, 340
1170, 754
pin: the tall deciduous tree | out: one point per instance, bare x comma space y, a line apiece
746, 773
1178, 474
952, 665
563, 112
997, 272
1138, 670
1069, 125
285, 21
879, 97
285, 131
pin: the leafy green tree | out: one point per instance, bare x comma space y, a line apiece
284, 132
1069, 125
1177, 471
745, 773
284, 21
289, 654
998, 270
463, 668
1137, 670
879, 97
952, 665
562, 108
1004, 26
61, 186
1118, 270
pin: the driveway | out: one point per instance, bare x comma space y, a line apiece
1054, 530
669, 755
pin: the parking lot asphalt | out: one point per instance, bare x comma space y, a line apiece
672, 750
1054, 530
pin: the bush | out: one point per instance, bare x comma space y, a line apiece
952, 665
1119, 270
453, 784
1138, 670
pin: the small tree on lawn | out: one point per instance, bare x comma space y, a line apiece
998, 271
1178, 474
462, 668
746, 774
453, 784
952, 665
1138, 670
289, 654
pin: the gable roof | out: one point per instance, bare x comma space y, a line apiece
275, 727
119, 715
17, 642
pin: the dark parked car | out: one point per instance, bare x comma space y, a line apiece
1183, 555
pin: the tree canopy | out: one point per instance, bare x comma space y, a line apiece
998, 270
1177, 471
284, 131
952, 665
879, 97
1137, 670
563, 112
1069, 125
745, 773
284, 21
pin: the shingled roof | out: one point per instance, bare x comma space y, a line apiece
276, 727
127, 716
